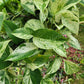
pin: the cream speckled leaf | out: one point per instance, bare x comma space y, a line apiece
23, 51
70, 67
54, 66
41, 4
70, 21
49, 39
23, 33
34, 24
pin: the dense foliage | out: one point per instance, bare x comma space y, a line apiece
34, 38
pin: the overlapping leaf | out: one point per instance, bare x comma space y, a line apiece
48, 39
69, 4
23, 51
34, 24
9, 28
55, 6
23, 33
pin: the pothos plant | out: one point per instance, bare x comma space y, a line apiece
31, 31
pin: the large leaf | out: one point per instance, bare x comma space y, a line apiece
49, 39
37, 61
23, 51
23, 33
46, 81
34, 24
4, 64
45, 43
35, 76
3, 46
9, 28
71, 22
1, 19
41, 4
49, 35
54, 66
70, 67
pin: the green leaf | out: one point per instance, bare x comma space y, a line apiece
55, 6
70, 67
1, 4
43, 15
46, 44
6, 53
3, 46
29, 7
71, 22
46, 81
82, 3
23, 51
4, 64
49, 39
26, 1
41, 4
64, 9
27, 78
23, 33
60, 50
36, 76
54, 66
34, 24
9, 28
49, 35
37, 61
1, 20
82, 17
72, 1
74, 42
